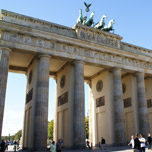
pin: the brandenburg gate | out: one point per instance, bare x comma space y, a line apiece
119, 76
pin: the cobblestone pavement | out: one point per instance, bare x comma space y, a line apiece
108, 149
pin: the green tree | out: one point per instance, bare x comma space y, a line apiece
87, 126
18, 135
50, 129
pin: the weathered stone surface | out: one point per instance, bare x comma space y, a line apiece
142, 105
80, 43
96, 48
4, 65
79, 106
41, 105
119, 119
97, 36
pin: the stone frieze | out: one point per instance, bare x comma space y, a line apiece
97, 36
87, 55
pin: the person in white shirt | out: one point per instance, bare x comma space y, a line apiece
142, 143
131, 142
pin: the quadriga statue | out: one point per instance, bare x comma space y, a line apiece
80, 18
101, 24
89, 22
109, 27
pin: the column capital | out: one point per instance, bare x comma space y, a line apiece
78, 61
5, 49
139, 73
115, 69
44, 55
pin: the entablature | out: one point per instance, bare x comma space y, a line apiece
35, 23
88, 50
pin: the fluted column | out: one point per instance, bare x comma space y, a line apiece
4, 66
79, 106
41, 105
142, 105
119, 119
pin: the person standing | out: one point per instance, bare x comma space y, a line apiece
132, 142
136, 144
53, 147
88, 144
142, 143
3, 146
103, 142
58, 146
6, 145
149, 140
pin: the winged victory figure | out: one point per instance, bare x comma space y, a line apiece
87, 7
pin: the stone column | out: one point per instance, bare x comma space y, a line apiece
4, 66
142, 105
79, 106
41, 105
119, 119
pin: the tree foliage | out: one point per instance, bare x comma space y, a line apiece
87, 126
18, 135
50, 129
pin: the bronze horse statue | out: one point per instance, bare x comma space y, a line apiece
89, 22
109, 27
80, 18
101, 24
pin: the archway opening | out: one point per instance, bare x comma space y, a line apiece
86, 88
51, 110
14, 107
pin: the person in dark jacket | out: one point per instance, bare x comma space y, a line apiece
3, 146
58, 146
149, 140
103, 142
136, 144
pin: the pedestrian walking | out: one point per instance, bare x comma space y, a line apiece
53, 147
58, 146
3, 146
132, 142
136, 143
103, 142
6, 145
149, 140
142, 143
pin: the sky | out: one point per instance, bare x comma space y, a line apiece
133, 21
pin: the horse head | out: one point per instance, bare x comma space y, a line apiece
103, 19
80, 18
111, 22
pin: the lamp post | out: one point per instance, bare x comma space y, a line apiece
0, 54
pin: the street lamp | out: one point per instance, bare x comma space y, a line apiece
0, 54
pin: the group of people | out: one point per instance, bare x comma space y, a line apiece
101, 144
56, 147
4, 145
139, 142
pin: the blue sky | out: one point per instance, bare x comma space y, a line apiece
133, 21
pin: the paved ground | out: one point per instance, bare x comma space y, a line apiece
108, 149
